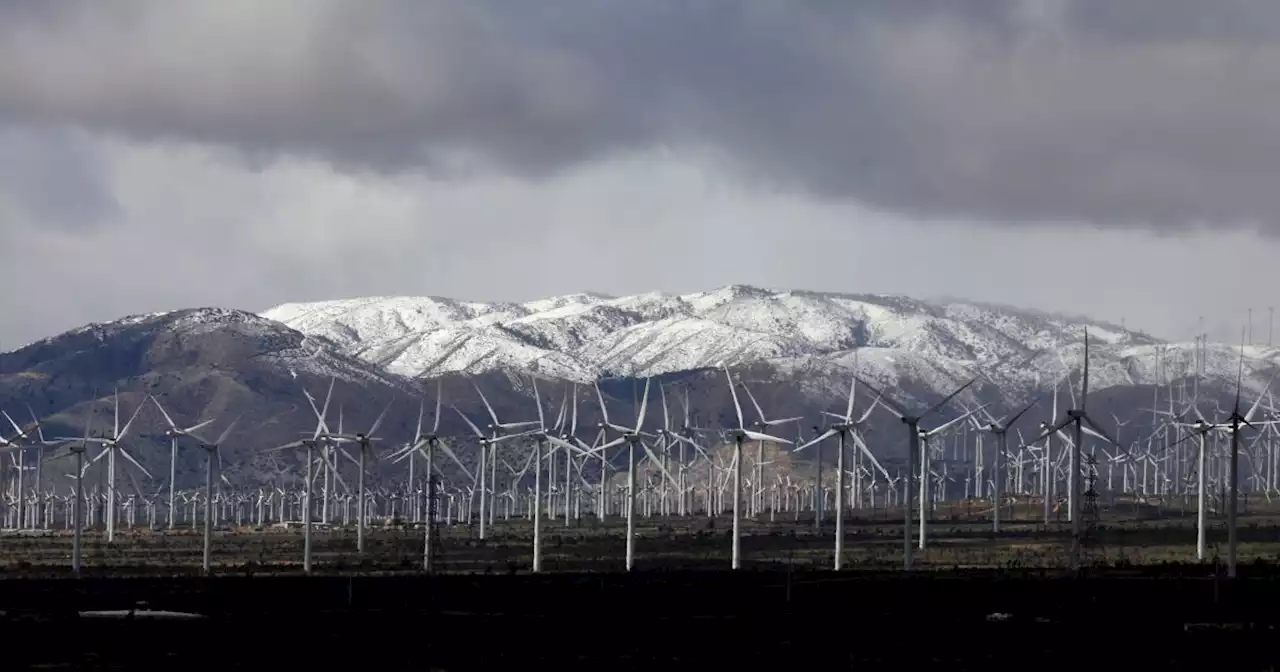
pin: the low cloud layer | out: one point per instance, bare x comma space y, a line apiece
1150, 113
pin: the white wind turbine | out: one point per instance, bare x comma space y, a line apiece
496, 429
1000, 429
845, 427
632, 437
763, 424
426, 444
540, 436
321, 433
487, 443
363, 441
174, 433
1232, 426
214, 457
912, 421
741, 434
1077, 417
925, 470
19, 443
111, 446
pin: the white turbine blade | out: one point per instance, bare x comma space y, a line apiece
783, 421
202, 425
1254, 408
135, 463
448, 452
666, 414
953, 421
124, 432
870, 409
644, 405
862, 445
373, 429
694, 444
757, 436
226, 432
1092, 428
658, 463
518, 425
467, 420
16, 428
508, 437
537, 400
555, 441
435, 424
288, 446
893, 406
422, 409
485, 401
853, 389
611, 444
163, 412
949, 397
752, 398
820, 438
403, 452
737, 407
604, 410
115, 428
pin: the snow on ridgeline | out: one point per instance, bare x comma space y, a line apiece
584, 336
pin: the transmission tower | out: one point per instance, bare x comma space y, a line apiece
432, 552
1091, 540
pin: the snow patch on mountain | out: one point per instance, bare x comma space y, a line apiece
899, 340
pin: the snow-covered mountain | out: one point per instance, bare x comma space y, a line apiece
893, 339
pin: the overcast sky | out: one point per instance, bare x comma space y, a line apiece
1119, 159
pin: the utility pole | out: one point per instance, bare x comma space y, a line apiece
429, 553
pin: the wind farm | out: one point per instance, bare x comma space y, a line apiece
724, 467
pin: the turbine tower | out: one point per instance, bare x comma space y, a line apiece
912, 421
174, 433
213, 458
1000, 429
846, 426
741, 434
1078, 417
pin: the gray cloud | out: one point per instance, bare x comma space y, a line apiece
1147, 112
54, 178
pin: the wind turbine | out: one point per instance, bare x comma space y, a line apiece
21, 439
111, 446
1000, 429
630, 436
757, 494
363, 440
496, 429
1233, 425
741, 434
912, 421
425, 444
174, 433
925, 471
321, 433
541, 436
844, 427
487, 443
213, 457
1078, 417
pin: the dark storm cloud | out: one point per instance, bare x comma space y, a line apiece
1144, 112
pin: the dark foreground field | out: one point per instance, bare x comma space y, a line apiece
649, 620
